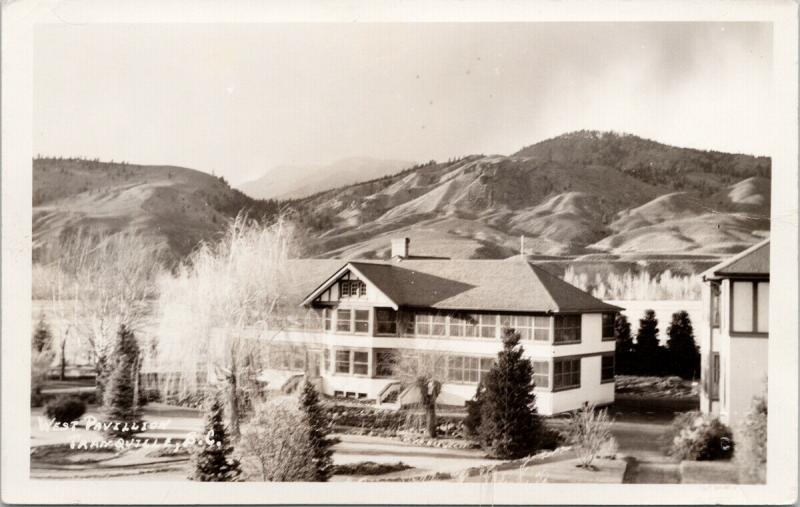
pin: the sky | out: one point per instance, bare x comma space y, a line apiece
239, 99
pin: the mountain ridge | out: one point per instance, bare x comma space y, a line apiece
584, 193
294, 182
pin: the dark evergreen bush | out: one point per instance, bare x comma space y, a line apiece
624, 361
510, 426
65, 409
684, 358
318, 430
212, 462
472, 423
120, 403
649, 355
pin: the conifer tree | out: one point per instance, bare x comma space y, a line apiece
624, 344
510, 426
647, 348
42, 338
41, 359
684, 357
212, 462
119, 399
472, 422
321, 452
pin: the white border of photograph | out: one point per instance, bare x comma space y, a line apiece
19, 18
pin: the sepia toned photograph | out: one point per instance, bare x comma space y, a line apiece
382, 253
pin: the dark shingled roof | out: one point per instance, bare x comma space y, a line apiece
490, 285
753, 261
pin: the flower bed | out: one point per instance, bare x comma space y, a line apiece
369, 468
365, 420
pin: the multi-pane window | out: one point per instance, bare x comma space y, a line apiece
541, 329
567, 329
343, 320
384, 363
456, 325
360, 363
342, 361
541, 374
361, 321
608, 325
750, 307
523, 324
438, 324
471, 323
385, 321
327, 355
423, 324
529, 327
607, 368
455, 368
352, 362
566, 373
715, 306
327, 317
467, 369
488, 326
352, 288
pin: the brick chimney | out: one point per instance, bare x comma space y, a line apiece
400, 248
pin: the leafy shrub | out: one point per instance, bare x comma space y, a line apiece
751, 454
344, 417
699, 437
369, 468
550, 439
589, 430
65, 409
42, 399
277, 439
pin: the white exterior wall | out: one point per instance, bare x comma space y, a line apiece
743, 362
746, 377
589, 350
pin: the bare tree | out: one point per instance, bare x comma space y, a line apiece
99, 283
426, 372
277, 438
215, 312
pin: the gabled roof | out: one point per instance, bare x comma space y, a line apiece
488, 285
752, 262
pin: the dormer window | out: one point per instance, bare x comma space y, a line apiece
352, 288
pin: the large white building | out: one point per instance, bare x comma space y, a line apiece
733, 337
367, 311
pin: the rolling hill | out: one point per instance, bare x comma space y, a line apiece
293, 182
583, 195
177, 207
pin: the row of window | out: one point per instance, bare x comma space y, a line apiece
348, 320
565, 328
566, 372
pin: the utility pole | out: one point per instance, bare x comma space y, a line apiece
522, 246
